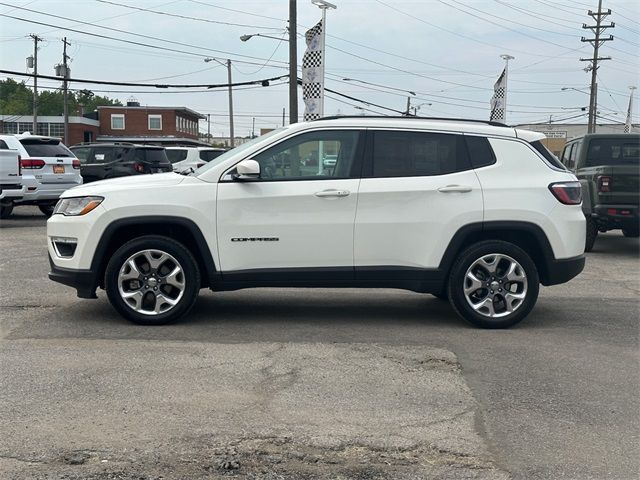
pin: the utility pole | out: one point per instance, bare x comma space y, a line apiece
208, 128
596, 42
230, 105
65, 88
506, 57
36, 39
293, 63
283, 116
408, 112
253, 128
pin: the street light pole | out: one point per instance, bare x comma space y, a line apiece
228, 65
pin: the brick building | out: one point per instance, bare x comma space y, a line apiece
145, 124
130, 123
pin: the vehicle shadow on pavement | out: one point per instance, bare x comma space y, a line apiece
615, 243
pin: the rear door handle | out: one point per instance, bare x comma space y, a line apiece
332, 193
455, 189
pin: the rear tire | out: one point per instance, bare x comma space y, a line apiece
6, 211
152, 280
493, 284
592, 233
631, 232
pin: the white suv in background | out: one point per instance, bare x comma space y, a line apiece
475, 212
48, 169
184, 158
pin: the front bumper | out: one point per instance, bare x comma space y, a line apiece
84, 281
563, 270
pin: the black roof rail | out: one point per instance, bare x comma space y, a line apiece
404, 117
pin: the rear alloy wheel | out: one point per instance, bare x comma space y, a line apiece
494, 284
152, 280
6, 211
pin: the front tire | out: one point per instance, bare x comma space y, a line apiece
6, 211
47, 208
152, 280
493, 284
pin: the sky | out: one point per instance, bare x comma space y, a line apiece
448, 52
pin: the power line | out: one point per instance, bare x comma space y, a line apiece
157, 47
156, 85
186, 17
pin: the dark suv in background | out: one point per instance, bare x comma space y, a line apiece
608, 167
100, 161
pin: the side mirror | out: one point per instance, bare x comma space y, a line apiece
247, 170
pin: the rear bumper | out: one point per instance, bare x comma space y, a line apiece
561, 271
616, 216
84, 281
12, 193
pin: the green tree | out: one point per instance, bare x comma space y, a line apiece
16, 99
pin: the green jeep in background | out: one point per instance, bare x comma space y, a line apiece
608, 167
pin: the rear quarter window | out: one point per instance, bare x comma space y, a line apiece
154, 155
480, 151
549, 157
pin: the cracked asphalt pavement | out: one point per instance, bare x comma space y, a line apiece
282, 383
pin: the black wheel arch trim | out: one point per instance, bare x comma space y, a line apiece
99, 259
551, 270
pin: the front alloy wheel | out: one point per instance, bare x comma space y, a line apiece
493, 284
152, 280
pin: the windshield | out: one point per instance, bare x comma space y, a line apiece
234, 151
613, 151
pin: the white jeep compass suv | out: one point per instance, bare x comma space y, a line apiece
475, 212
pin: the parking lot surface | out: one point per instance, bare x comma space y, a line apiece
282, 383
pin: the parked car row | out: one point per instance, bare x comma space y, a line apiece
35, 170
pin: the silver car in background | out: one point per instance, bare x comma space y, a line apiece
184, 158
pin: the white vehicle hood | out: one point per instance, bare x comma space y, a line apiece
133, 183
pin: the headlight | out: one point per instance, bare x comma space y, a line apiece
72, 207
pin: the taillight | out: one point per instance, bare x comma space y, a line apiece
19, 166
569, 193
138, 167
76, 164
604, 183
30, 163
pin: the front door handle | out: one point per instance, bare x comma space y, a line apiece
332, 193
455, 189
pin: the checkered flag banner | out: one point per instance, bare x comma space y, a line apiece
312, 73
498, 100
627, 124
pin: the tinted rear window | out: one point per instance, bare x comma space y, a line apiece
613, 151
153, 155
208, 155
45, 148
550, 157
176, 155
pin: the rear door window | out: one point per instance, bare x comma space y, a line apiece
152, 155
418, 154
45, 148
82, 154
103, 155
